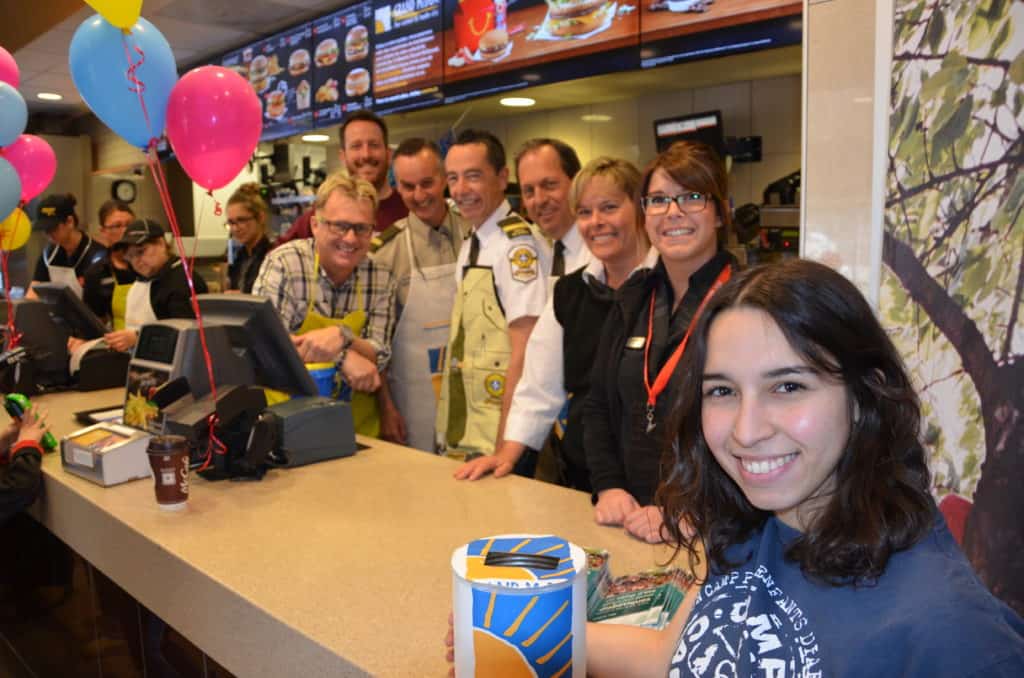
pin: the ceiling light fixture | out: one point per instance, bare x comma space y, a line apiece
316, 138
517, 102
49, 96
595, 117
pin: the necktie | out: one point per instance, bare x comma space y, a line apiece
558, 263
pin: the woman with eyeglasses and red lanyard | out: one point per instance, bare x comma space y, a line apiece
247, 224
634, 383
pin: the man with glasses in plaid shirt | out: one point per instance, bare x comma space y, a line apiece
337, 304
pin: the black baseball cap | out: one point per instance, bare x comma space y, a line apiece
53, 209
141, 231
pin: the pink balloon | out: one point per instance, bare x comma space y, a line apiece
9, 69
35, 162
214, 122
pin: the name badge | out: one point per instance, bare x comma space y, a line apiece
636, 342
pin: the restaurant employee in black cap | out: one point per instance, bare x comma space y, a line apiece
71, 251
161, 290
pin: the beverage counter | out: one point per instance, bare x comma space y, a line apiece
335, 569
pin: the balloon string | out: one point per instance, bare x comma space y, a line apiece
157, 170
139, 86
13, 335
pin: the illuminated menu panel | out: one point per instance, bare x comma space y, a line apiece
407, 56
682, 30
280, 71
342, 59
488, 37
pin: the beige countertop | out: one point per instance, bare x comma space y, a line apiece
338, 568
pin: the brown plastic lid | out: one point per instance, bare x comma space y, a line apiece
166, 444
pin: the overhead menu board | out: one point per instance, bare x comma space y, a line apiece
407, 56
279, 70
488, 37
681, 30
342, 59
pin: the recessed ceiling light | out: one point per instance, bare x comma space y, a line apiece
316, 137
517, 102
595, 117
49, 96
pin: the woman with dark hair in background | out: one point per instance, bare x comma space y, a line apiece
71, 250
247, 224
634, 382
107, 282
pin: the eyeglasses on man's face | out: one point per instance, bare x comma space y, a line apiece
341, 228
689, 202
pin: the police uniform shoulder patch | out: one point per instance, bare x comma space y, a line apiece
523, 260
384, 237
513, 226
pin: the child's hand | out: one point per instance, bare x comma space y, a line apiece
9, 435
33, 424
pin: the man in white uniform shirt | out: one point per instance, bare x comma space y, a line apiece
502, 278
545, 169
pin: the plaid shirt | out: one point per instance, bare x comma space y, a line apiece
285, 279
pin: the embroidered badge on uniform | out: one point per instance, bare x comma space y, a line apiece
524, 263
494, 384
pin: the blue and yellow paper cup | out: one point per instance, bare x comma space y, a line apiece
520, 607
325, 376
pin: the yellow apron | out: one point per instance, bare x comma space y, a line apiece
119, 304
365, 415
476, 359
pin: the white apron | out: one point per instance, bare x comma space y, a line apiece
138, 309
417, 348
66, 274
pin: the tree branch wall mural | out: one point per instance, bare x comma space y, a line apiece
953, 278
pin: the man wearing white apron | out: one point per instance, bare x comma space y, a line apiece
70, 251
420, 250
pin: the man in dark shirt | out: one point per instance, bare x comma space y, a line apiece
365, 153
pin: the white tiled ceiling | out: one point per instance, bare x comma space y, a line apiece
195, 29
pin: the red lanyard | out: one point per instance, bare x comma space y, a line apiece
661, 381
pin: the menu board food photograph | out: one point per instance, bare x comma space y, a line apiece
407, 57
662, 20
280, 71
342, 59
483, 37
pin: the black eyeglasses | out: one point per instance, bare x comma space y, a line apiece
343, 227
237, 222
690, 202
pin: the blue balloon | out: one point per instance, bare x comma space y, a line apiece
10, 188
13, 114
100, 70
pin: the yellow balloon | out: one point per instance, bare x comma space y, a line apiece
15, 230
121, 13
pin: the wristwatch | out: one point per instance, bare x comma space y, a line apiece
347, 335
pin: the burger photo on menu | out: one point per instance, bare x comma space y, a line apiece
276, 104
327, 52
298, 62
259, 74
357, 43
573, 18
327, 93
494, 45
357, 83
